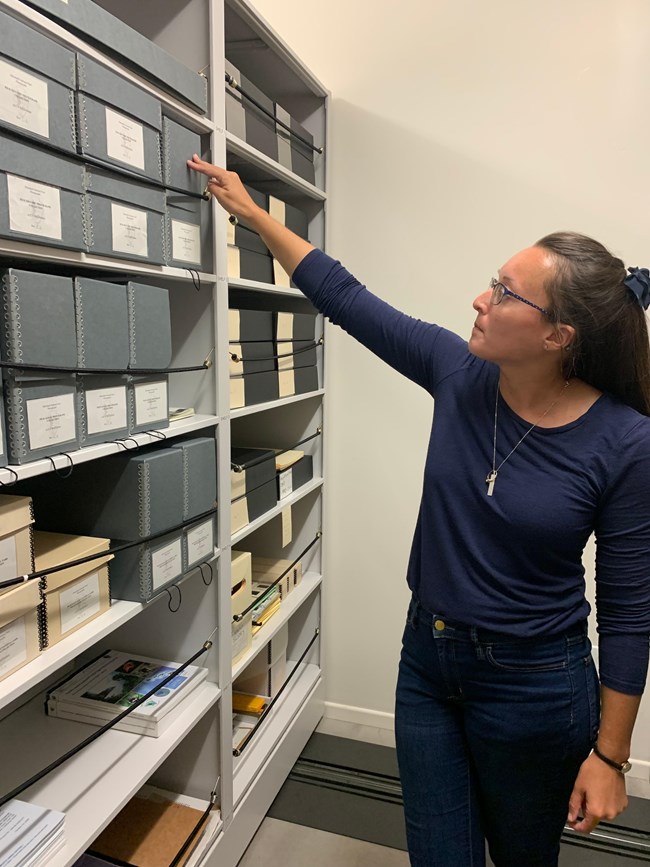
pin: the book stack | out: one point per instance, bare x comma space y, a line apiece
29, 834
111, 683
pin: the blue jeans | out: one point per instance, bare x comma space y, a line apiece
491, 731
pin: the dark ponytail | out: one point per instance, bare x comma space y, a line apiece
611, 350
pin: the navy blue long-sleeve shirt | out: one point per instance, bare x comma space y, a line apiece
513, 562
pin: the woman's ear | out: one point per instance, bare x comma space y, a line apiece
560, 338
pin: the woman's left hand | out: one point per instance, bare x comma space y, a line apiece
598, 793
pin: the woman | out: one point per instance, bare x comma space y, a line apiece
540, 437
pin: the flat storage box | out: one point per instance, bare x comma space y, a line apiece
139, 573
242, 637
16, 537
294, 326
37, 81
73, 596
298, 380
119, 123
19, 627
241, 582
248, 265
150, 343
246, 239
41, 196
246, 326
295, 145
102, 343
199, 465
290, 216
254, 124
124, 219
292, 477
187, 230
257, 468
252, 388
199, 542
127, 497
41, 417
94, 24
252, 505
258, 357
296, 353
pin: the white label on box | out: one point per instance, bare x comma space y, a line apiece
124, 139
79, 602
166, 564
23, 100
186, 242
13, 645
105, 409
200, 543
51, 420
34, 209
129, 226
8, 558
286, 483
150, 402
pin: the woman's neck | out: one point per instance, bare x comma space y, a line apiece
529, 393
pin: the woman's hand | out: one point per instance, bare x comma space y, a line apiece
227, 189
598, 793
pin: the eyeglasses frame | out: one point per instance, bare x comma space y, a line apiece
493, 285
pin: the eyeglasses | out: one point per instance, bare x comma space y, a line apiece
499, 291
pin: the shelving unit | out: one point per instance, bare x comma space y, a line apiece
196, 750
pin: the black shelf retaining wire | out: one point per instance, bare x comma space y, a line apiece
240, 358
240, 468
236, 86
240, 749
237, 617
139, 371
100, 731
111, 550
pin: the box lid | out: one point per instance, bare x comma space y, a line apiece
19, 601
38, 331
16, 513
284, 460
123, 189
37, 164
149, 326
102, 324
107, 86
52, 549
35, 51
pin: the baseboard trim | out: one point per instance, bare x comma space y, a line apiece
359, 715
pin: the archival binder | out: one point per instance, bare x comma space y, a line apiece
123, 218
250, 325
4, 458
119, 122
249, 265
102, 342
199, 541
252, 388
150, 347
41, 196
37, 81
41, 417
94, 24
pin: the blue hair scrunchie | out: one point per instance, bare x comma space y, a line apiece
638, 283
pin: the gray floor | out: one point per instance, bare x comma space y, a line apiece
284, 844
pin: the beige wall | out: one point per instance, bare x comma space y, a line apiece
461, 131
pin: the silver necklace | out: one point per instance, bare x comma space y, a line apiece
492, 476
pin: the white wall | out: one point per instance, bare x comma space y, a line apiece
461, 132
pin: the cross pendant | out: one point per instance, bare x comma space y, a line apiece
491, 479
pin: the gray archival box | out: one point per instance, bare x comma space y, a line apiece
41, 416
38, 80
102, 342
118, 122
41, 196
